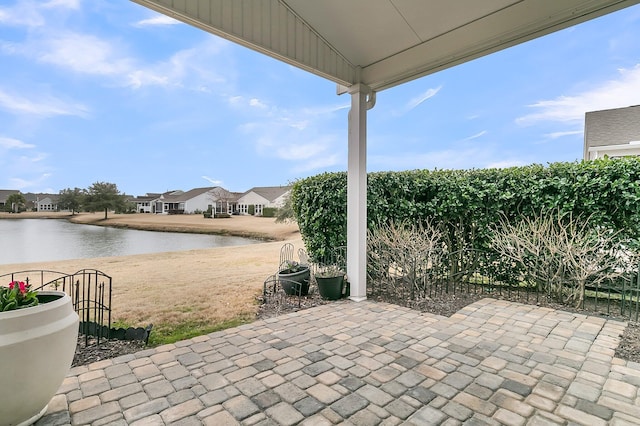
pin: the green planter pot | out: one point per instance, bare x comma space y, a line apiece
330, 288
294, 282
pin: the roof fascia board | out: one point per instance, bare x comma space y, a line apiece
275, 31
384, 74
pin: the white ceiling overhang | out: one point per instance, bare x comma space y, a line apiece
381, 43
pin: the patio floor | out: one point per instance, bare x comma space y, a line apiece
369, 363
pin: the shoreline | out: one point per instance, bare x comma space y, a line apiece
182, 288
258, 228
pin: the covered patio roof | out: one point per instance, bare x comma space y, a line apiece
381, 43
366, 46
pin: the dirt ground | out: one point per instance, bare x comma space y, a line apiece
196, 286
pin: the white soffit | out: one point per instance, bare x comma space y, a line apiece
381, 43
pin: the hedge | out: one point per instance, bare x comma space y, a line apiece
269, 212
469, 203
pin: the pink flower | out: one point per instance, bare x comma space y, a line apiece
22, 287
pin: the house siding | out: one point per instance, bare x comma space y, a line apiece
251, 198
262, 197
200, 202
47, 205
612, 130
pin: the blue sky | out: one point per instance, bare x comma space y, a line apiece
107, 90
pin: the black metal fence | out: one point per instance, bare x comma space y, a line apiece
90, 292
436, 274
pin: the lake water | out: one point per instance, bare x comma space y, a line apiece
39, 240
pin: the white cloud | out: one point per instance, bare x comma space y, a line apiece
27, 13
83, 53
298, 151
45, 106
476, 136
21, 183
257, 103
10, 143
66, 4
235, 100
320, 162
430, 93
556, 135
316, 153
212, 181
138, 78
21, 14
157, 20
192, 68
620, 92
295, 136
456, 157
298, 136
300, 125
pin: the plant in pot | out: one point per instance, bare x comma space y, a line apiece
38, 337
330, 280
295, 277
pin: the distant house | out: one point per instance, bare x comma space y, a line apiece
219, 199
144, 203
31, 201
197, 199
612, 132
4, 194
47, 202
224, 201
257, 198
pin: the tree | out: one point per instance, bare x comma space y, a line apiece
14, 201
104, 196
221, 199
71, 199
285, 214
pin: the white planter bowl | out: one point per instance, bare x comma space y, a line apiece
37, 346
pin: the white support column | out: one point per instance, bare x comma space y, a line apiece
357, 192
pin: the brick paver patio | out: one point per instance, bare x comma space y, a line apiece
369, 363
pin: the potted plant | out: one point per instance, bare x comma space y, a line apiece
330, 281
295, 278
38, 337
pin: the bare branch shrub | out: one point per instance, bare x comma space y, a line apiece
563, 255
399, 255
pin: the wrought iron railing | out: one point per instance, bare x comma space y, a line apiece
90, 292
435, 273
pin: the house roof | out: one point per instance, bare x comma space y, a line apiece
381, 43
143, 198
270, 193
4, 193
179, 196
53, 197
618, 126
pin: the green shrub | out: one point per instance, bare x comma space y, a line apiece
269, 212
465, 205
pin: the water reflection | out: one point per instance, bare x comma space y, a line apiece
39, 240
